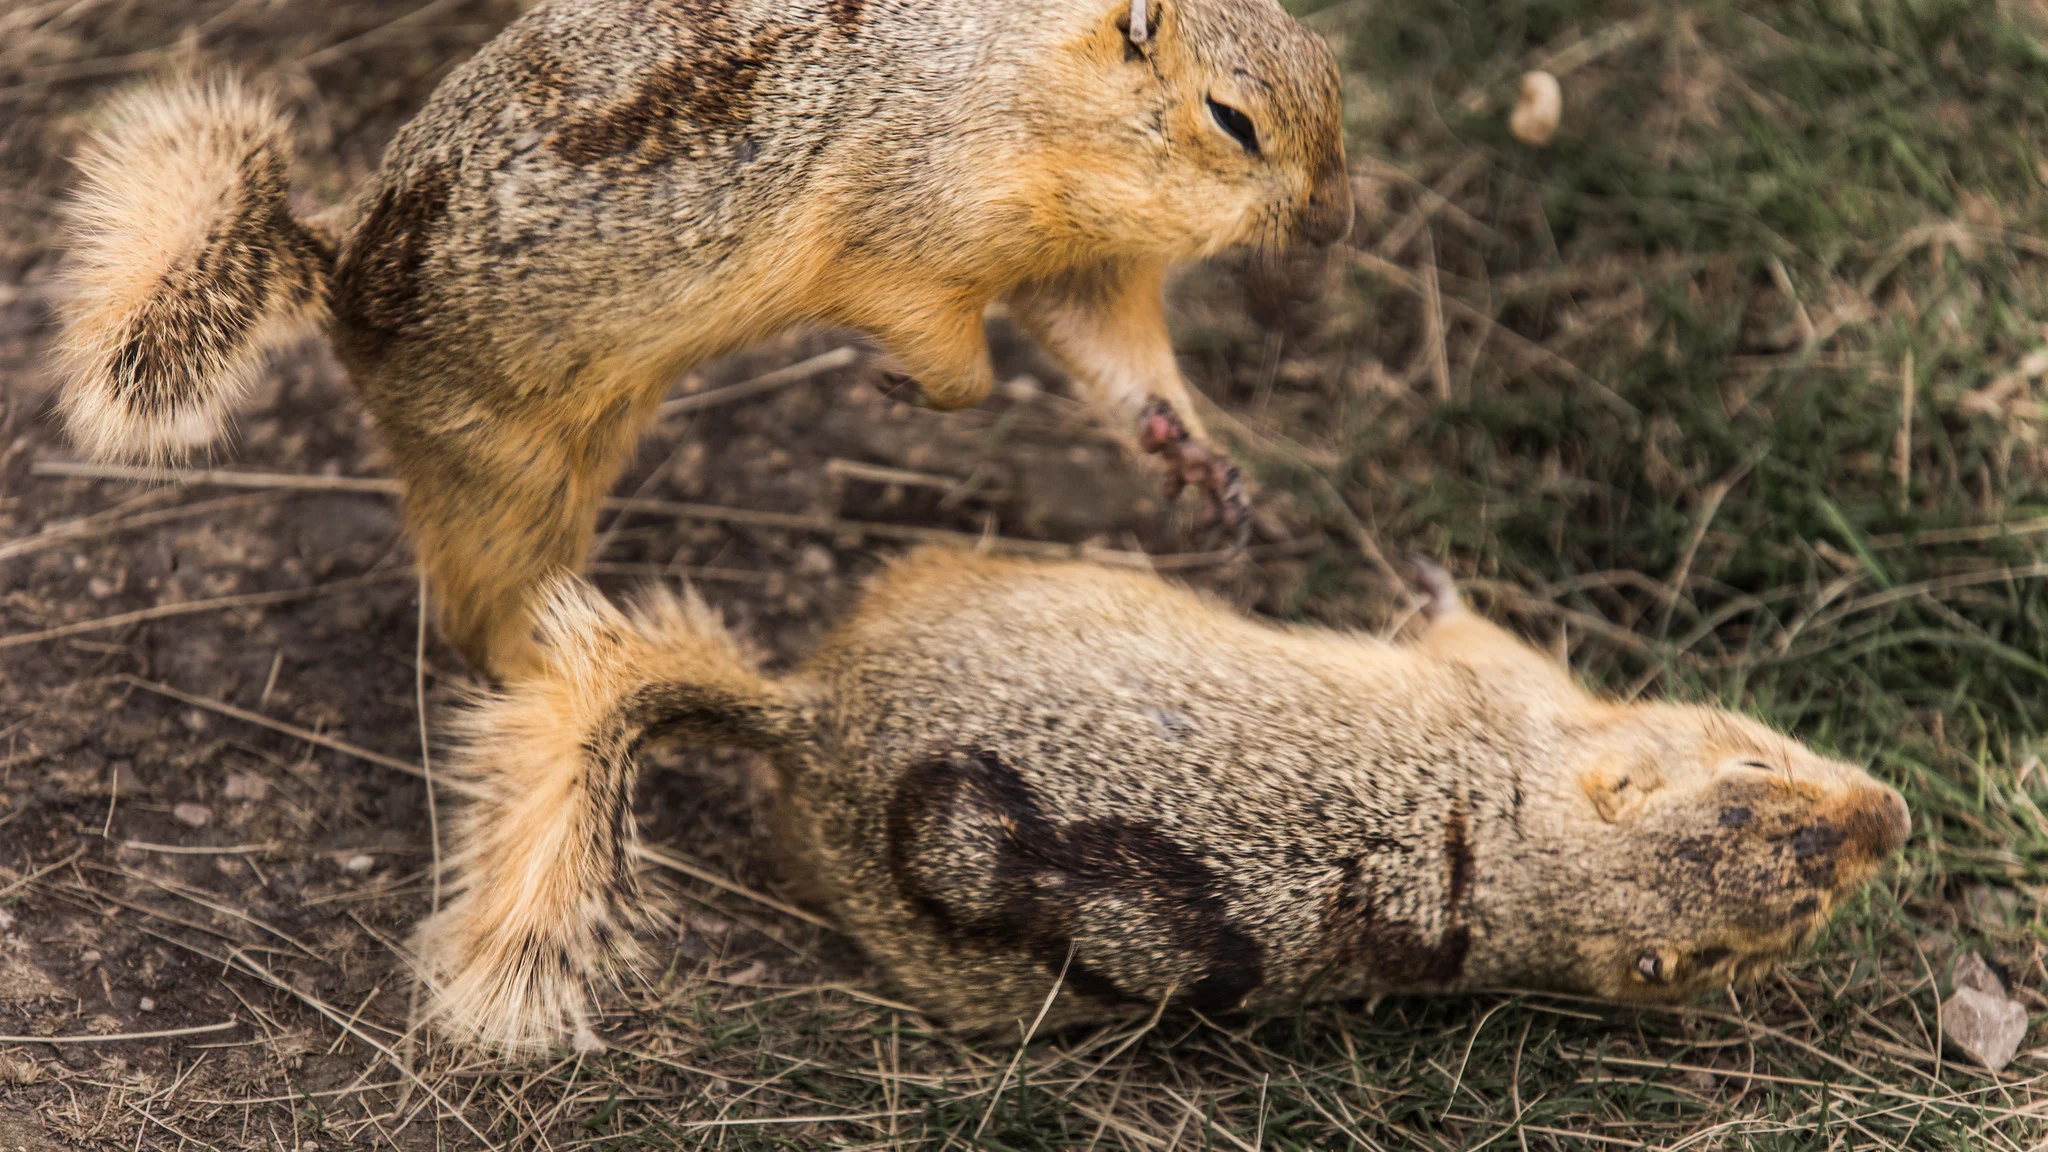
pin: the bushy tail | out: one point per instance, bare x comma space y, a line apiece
186, 266
545, 894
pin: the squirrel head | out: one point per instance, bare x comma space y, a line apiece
1713, 847
1199, 126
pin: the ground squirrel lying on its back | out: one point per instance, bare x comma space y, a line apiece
996, 772
612, 190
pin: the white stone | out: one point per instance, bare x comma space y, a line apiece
1535, 118
1985, 1027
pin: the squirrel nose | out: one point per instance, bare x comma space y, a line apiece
1876, 817
1326, 218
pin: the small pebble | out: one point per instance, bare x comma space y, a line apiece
360, 863
1988, 1029
145, 1005
1981, 1020
192, 815
1535, 118
245, 786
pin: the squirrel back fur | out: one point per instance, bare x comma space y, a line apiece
997, 775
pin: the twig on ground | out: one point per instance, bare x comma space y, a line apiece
766, 382
678, 864
188, 607
200, 849
117, 1037
93, 527
790, 521
308, 735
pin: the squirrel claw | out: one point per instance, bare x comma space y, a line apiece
1437, 584
1191, 463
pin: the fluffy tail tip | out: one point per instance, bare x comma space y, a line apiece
185, 268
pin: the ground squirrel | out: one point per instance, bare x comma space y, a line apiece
612, 190
997, 774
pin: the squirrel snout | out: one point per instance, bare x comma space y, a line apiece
1878, 819
1869, 817
1326, 217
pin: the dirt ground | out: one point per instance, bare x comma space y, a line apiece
192, 869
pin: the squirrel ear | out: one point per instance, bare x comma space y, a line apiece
1617, 785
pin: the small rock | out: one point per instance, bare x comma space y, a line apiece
359, 862
195, 720
99, 587
1984, 1027
145, 1005
90, 957
814, 560
245, 786
192, 815
1972, 970
1535, 118
6, 919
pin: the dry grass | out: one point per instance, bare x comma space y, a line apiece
1735, 392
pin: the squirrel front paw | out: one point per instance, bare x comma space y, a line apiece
1191, 463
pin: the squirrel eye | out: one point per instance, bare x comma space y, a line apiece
1236, 123
1651, 966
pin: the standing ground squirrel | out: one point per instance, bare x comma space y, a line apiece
997, 774
612, 190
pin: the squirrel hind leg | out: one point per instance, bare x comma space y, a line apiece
1439, 589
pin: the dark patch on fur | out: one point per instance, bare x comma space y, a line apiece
845, 14
1816, 839
1458, 854
1736, 817
709, 87
1391, 951
376, 296
253, 259
661, 710
1036, 873
1397, 951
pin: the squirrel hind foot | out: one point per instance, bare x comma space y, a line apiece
1438, 586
